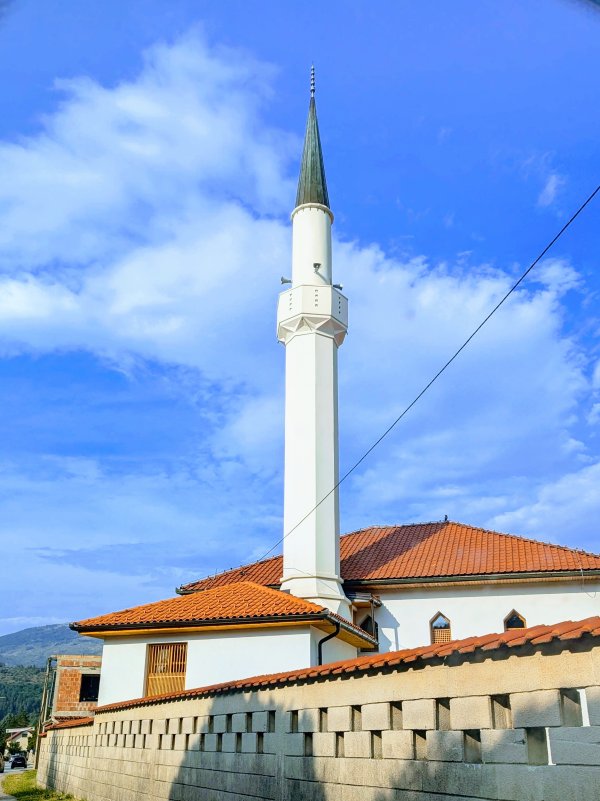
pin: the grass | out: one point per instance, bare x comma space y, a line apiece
23, 787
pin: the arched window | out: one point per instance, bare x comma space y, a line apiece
514, 621
440, 628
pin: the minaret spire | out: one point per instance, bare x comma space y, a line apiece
312, 186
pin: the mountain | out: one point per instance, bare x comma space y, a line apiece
33, 646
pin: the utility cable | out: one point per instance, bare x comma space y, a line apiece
440, 372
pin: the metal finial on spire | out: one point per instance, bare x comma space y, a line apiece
312, 187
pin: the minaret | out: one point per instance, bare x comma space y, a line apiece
312, 320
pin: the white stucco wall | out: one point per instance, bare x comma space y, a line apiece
123, 669
404, 616
214, 658
229, 655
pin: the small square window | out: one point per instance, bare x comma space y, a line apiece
90, 684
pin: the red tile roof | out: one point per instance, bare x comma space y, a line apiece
70, 724
242, 602
486, 645
424, 551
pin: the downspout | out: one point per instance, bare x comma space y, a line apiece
322, 642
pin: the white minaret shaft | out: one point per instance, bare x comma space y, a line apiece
312, 323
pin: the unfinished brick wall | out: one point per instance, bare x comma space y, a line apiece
69, 670
524, 727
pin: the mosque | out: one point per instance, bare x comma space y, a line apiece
332, 597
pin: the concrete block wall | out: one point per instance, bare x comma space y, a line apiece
519, 728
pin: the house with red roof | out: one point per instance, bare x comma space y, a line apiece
328, 597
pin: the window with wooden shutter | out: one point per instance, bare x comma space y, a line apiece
166, 668
440, 629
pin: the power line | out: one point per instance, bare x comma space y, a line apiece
442, 370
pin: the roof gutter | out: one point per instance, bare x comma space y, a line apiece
325, 639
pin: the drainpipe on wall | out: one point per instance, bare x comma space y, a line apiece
322, 642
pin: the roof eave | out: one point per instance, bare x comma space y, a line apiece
555, 575
350, 632
475, 577
215, 622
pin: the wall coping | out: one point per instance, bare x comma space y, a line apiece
515, 641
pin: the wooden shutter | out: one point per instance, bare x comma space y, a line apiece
441, 635
166, 668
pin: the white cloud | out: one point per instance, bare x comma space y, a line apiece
571, 503
554, 183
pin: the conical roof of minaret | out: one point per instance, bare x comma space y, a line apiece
312, 186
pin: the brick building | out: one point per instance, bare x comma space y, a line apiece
70, 687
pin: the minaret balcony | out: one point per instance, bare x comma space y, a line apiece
312, 309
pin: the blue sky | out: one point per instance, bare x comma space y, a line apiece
149, 152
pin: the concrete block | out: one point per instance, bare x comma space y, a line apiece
564, 783
173, 725
260, 721
339, 718
187, 725
210, 742
228, 743
504, 745
138, 740
445, 746
398, 744
129, 740
159, 726
166, 742
152, 742
145, 727
538, 708
323, 744
419, 714
442, 781
249, 743
240, 722
357, 744
271, 743
293, 744
575, 745
308, 720
135, 726
471, 712
376, 717
203, 724
592, 695
179, 742
219, 724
